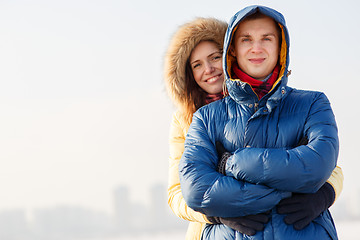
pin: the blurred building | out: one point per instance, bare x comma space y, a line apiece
13, 225
76, 222
122, 210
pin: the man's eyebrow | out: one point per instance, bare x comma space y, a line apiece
266, 34
269, 34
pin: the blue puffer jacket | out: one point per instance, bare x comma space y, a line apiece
266, 166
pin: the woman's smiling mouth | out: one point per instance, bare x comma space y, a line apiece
213, 79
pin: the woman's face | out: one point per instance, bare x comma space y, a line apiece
206, 65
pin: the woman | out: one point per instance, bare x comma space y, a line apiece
194, 78
188, 97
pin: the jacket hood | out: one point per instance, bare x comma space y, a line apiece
181, 45
236, 87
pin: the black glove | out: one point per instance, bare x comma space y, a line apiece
248, 225
223, 155
301, 209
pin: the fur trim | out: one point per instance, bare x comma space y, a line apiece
181, 45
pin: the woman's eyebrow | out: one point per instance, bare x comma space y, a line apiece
191, 63
217, 52
211, 54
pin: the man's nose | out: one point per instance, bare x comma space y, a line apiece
257, 47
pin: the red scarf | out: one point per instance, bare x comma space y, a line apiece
209, 98
261, 88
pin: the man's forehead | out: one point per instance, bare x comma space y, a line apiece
244, 26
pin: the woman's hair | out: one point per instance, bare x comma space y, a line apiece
180, 83
195, 95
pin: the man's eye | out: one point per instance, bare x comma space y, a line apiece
245, 40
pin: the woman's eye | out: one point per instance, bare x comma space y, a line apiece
217, 57
196, 65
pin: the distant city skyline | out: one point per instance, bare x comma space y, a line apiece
126, 218
68, 222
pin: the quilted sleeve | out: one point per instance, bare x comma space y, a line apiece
302, 169
212, 193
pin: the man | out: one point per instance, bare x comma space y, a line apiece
261, 122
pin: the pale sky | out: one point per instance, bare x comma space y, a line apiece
82, 101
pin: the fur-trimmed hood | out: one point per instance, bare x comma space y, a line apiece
181, 45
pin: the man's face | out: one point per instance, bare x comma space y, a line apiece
256, 47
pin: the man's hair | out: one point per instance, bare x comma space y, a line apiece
255, 15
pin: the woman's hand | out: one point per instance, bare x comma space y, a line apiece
301, 209
248, 225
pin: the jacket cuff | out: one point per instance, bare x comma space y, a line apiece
221, 167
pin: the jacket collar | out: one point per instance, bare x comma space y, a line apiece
242, 93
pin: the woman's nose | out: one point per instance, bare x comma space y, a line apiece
209, 68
